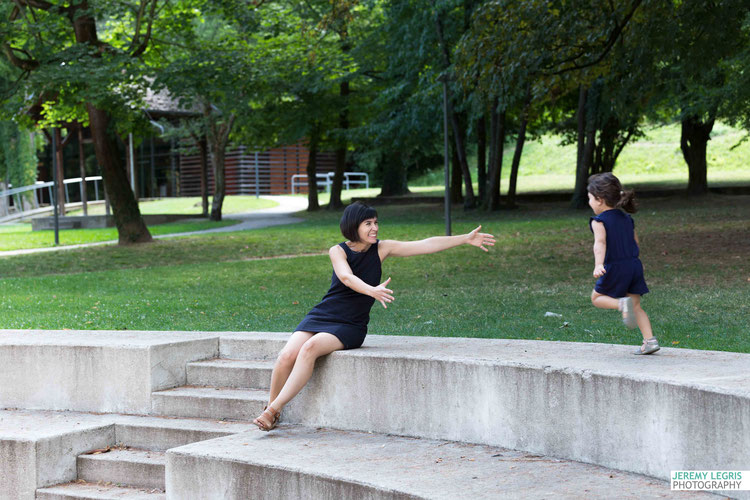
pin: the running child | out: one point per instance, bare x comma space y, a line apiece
620, 283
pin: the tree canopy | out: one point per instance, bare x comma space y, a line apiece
364, 78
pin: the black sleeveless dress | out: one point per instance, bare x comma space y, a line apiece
343, 312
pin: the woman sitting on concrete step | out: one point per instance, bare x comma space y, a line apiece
340, 320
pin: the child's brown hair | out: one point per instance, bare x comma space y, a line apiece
607, 187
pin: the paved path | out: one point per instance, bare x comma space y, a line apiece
267, 217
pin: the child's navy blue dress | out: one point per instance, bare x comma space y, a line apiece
344, 312
624, 269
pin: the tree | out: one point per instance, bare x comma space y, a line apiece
704, 37
18, 159
213, 64
66, 65
532, 53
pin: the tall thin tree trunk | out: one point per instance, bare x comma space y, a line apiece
203, 148
456, 177
519, 151
218, 138
580, 199
482, 157
497, 147
82, 167
338, 176
312, 170
60, 173
459, 134
694, 143
344, 90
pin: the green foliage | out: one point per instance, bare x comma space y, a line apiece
17, 155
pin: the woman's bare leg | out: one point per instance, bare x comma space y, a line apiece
319, 345
285, 362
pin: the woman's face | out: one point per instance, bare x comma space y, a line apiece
368, 230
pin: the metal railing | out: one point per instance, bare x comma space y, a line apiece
326, 180
12, 200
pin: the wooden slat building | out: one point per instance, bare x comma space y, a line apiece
251, 172
164, 170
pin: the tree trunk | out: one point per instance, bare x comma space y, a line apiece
82, 167
218, 137
456, 177
60, 172
203, 148
220, 186
394, 175
693, 143
130, 225
482, 158
459, 134
612, 139
338, 177
497, 146
3, 199
519, 150
312, 170
580, 198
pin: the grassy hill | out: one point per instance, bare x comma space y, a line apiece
655, 160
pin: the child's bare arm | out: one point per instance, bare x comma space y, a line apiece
600, 247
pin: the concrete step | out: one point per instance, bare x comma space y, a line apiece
210, 402
252, 345
124, 466
162, 433
301, 462
81, 490
237, 373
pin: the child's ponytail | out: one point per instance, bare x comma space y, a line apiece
627, 201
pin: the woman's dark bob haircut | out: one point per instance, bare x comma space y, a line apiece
353, 216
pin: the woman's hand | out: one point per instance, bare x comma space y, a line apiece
480, 239
383, 294
599, 271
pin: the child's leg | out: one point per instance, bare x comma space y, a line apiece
604, 301
644, 324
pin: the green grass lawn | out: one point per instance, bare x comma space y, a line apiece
190, 205
21, 237
695, 253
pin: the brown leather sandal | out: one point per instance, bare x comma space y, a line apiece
272, 416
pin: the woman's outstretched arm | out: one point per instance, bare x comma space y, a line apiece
435, 244
348, 278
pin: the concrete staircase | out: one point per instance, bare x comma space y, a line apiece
135, 470
402, 418
120, 472
219, 389
222, 388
